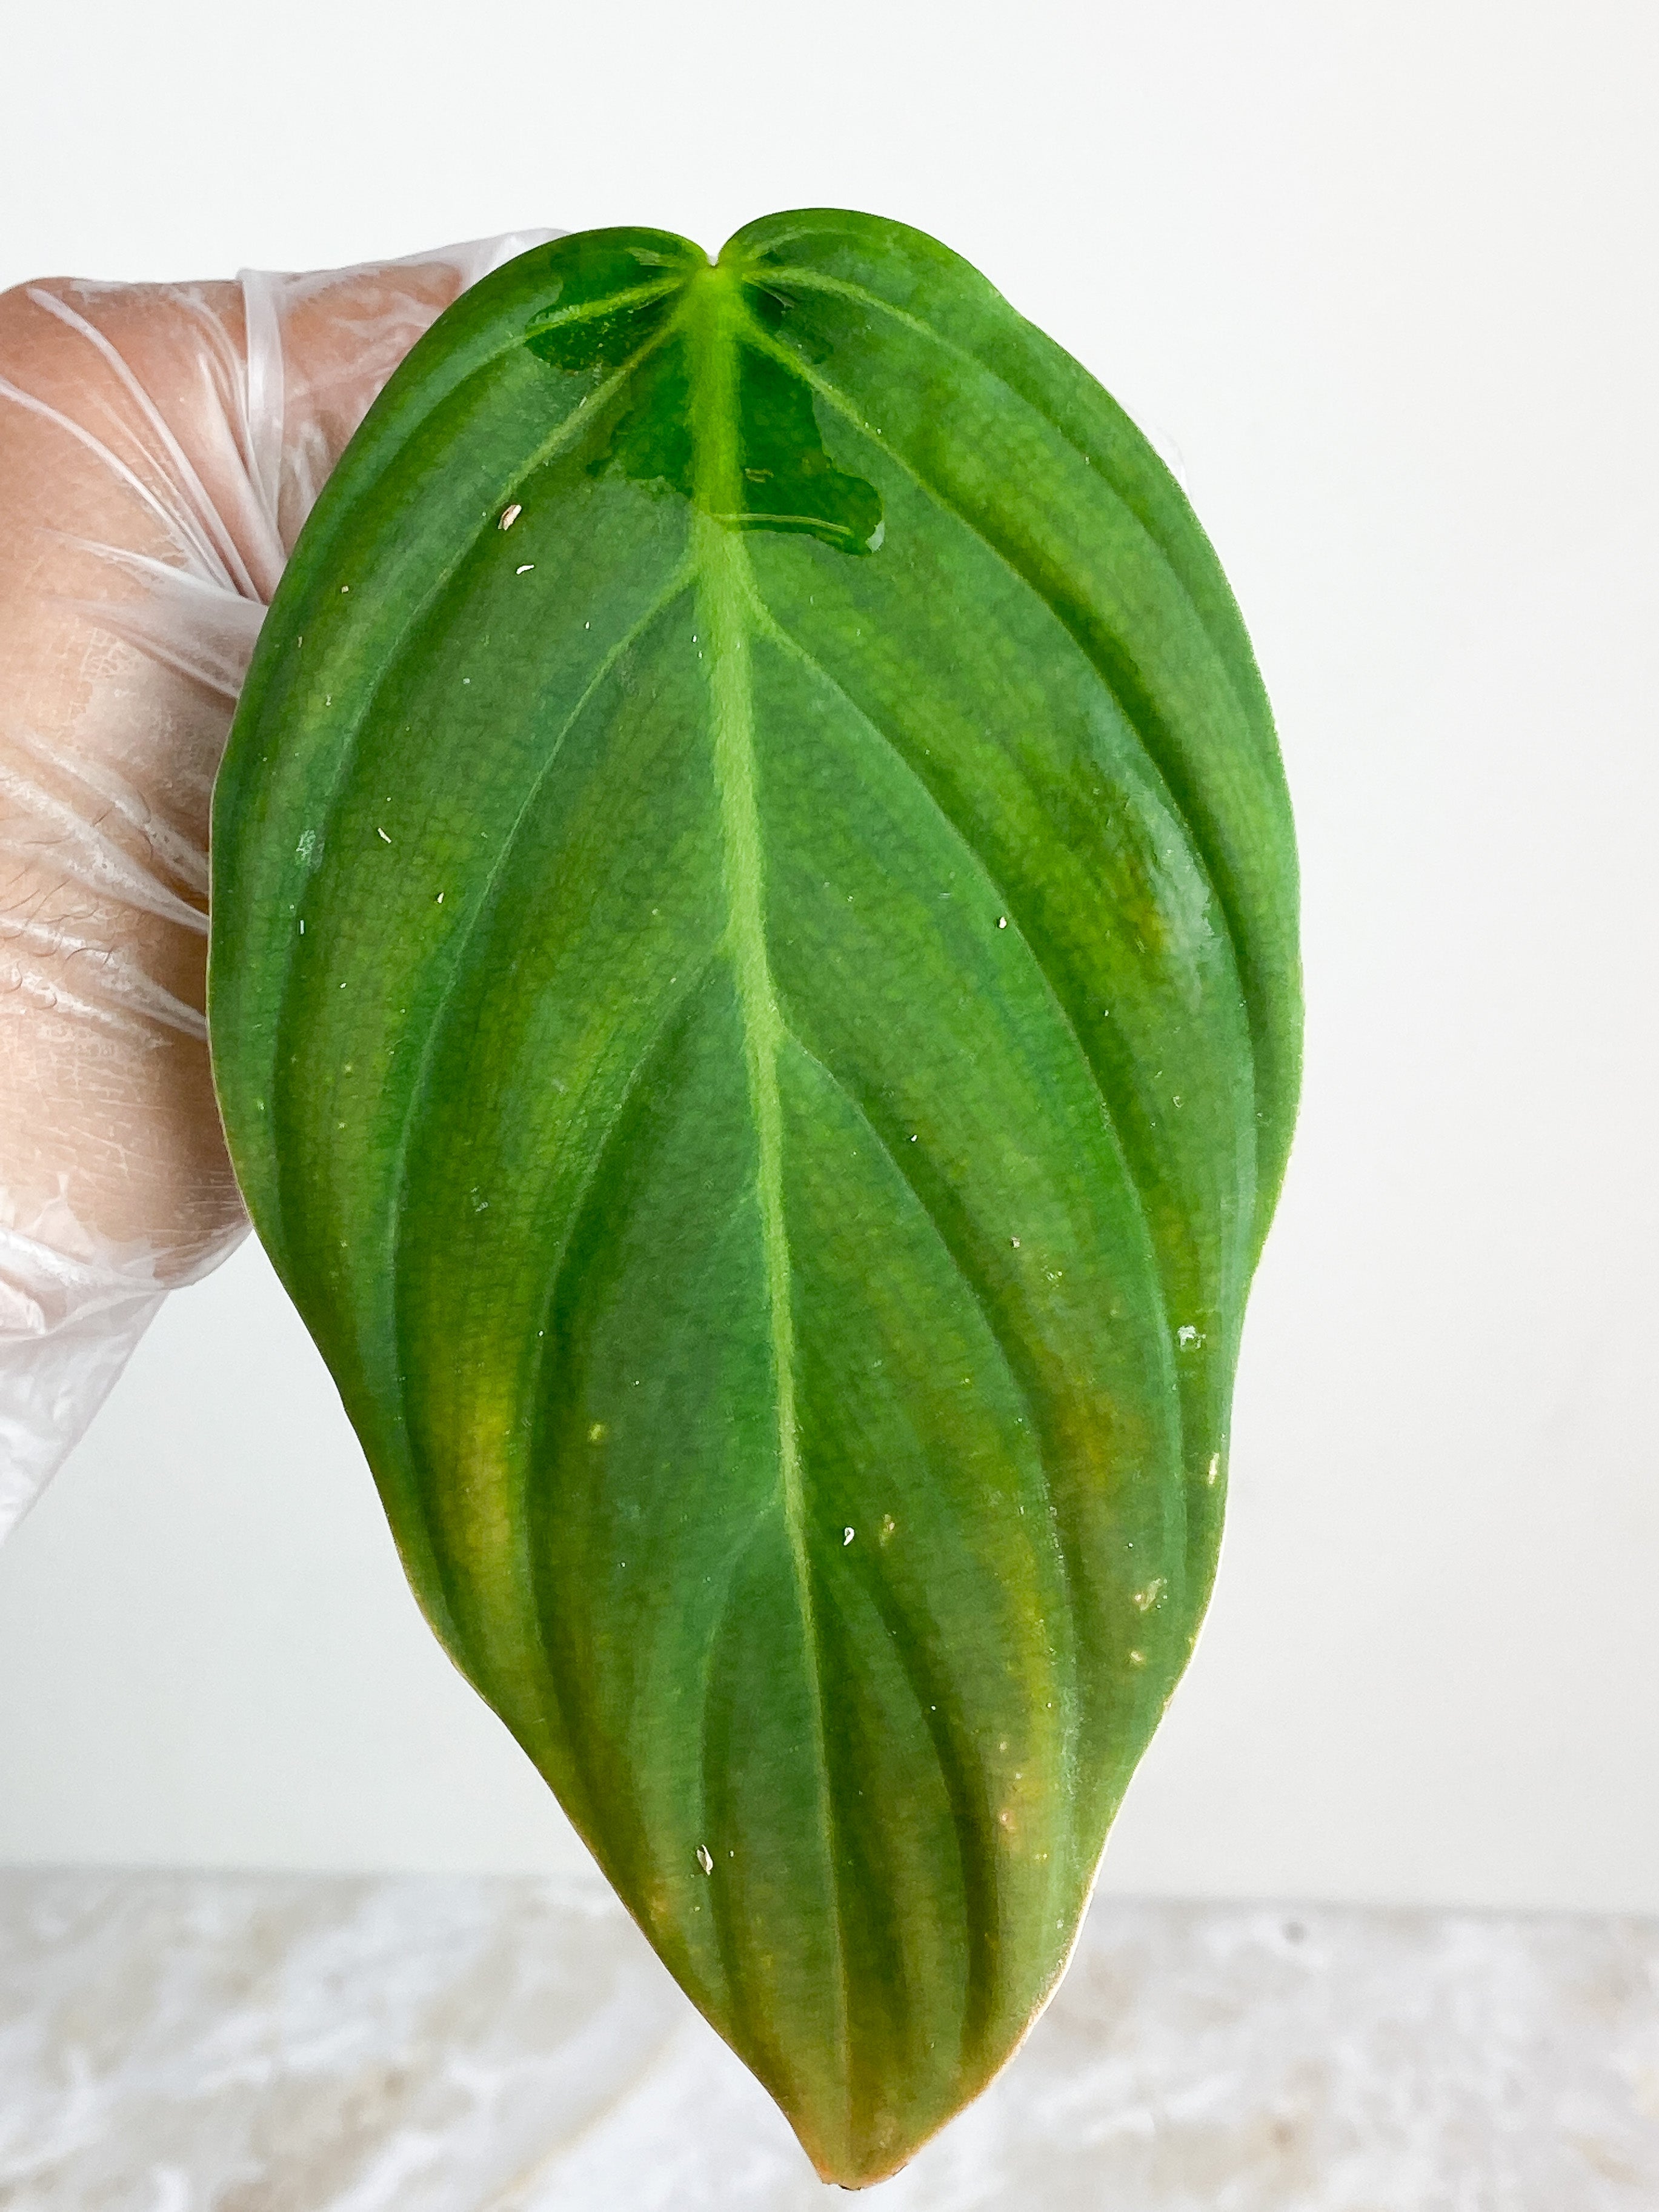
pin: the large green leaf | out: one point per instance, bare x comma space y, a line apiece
754, 993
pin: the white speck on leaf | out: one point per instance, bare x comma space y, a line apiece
1002, 922
1144, 1600
846, 1535
525, 569
1186, 1334
1014, 1241
1214, 1475
704, 1860
1137, 1658
381, 834
344, 588
510, 516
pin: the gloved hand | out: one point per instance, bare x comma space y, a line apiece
160, 447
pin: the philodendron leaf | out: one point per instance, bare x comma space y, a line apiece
754, 994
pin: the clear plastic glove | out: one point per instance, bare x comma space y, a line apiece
160, 447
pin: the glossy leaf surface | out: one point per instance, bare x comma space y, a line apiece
754, 993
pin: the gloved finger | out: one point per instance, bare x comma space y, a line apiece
160, 448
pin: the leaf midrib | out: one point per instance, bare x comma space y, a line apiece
725, 596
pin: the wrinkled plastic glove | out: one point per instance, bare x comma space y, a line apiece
160, 447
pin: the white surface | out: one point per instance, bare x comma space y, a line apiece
1384, 272
209, 2045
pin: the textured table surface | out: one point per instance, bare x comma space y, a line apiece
178, 2042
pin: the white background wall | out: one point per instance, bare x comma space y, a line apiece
1386, 274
